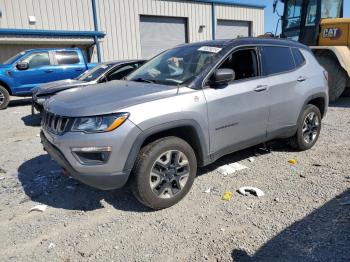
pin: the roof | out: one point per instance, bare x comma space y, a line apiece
251, 41
51, 49
232, 2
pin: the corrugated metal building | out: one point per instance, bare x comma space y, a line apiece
122, 29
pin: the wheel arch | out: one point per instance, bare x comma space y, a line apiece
188, 130
320, 101
6, 86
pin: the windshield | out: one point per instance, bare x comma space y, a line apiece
14, 58
93, 73
176, 66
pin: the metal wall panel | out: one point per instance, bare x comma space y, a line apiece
160, 33
121, 21
49, 14
237, 13
228, 29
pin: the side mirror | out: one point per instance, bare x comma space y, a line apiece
223, 76
22, 66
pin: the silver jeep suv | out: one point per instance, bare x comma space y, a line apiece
185, 108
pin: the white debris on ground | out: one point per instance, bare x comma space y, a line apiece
245, 191
230, 168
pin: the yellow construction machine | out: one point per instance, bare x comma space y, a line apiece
320, 25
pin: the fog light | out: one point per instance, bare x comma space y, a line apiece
92, 155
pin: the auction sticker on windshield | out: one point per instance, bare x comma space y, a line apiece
210, 49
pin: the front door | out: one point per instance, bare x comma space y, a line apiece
40, 70
238, 112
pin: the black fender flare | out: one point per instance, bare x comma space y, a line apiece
141, 138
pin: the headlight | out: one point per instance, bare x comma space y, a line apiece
95, 124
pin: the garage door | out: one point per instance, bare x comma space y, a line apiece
160, 33
228, 29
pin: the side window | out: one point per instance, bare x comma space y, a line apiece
276, 60
298, 57
67, 57
37, 60
121, 72
243, 62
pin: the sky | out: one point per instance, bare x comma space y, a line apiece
271, 19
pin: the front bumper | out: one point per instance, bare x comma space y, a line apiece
110, 175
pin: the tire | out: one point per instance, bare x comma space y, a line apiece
155, 189
337, 76
299, 140
347, 92
4, 98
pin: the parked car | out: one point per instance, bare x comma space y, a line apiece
185, 108
105, 72
21, 73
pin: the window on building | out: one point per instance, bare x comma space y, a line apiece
276, 60
37, 60
298, 57
67, 57
244, 63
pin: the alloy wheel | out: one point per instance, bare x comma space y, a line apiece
2, 98
311, 127
169, 174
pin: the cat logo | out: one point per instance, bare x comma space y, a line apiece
332, 33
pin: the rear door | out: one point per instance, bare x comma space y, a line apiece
238, 112
279, 67
69, 64
41, 70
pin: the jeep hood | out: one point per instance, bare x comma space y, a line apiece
57, 86
106, 98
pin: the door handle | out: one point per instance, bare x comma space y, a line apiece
261, 88
49, 71
78, 69
301, 79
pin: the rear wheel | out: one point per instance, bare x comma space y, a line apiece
347, 92
308, 130
337, 76
4, 97
164, 172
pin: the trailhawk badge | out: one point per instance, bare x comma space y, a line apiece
333, 33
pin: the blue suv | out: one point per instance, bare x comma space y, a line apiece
21, 73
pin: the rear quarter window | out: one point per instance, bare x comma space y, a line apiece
298, 57
276, 59
67, 57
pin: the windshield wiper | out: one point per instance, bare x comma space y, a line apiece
144, 80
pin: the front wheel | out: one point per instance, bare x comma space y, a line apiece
308, 129
4, 97
164, 172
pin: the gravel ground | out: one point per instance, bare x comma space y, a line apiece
304, 216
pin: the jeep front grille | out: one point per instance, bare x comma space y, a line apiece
55, 124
